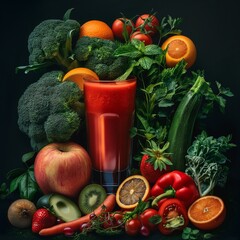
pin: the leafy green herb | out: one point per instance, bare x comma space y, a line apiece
206, 161
169, 26
141, 57
105, 224
22, 179
189, 233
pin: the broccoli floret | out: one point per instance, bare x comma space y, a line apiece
60, 126
50, 110
98, 55
50, 43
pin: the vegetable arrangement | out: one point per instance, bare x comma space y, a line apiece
170, 100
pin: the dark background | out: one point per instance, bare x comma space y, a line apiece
213, 26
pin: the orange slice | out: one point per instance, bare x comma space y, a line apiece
179, 47
207, 213
78, 75
131, 190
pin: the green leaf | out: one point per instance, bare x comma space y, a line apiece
152, 49
67, 14
4, 191
28, 186
145, 62
185, 236
187, 230
15, 183
27, 156
138, 45
164, 103
15, 173
208, 235
133, 132
128, 50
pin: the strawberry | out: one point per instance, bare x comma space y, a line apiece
42, 218
155, 162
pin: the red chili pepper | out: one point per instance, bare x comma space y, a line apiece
175, 184
174, 216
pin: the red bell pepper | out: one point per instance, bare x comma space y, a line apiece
174, 216
175, 184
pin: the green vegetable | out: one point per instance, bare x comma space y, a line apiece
141, 57
97, 55
206, 161
189, 233
22, 179
50, 110
181, 129
50, 43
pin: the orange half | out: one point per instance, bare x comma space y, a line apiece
207, 213
131, 190
179, 47
78, 75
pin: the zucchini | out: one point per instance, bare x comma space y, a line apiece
182, 125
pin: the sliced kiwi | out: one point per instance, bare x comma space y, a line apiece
64, 208
91, 197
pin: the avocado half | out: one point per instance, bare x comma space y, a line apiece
63, 207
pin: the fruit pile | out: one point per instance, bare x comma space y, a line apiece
159, 195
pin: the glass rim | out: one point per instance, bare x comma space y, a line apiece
130, 79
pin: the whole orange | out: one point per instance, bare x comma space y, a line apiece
96, 28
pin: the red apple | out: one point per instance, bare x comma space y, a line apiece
63, 168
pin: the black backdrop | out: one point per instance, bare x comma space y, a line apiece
213, 25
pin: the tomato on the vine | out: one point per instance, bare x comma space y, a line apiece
150, 218
145, 38
148, 22
122, 28
133, 226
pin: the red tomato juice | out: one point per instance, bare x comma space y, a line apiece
110, 107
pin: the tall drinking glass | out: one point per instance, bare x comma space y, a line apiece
110, 108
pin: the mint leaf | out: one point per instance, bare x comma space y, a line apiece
152, 49
145, 62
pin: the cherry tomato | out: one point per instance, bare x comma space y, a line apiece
148, 22
133, 226
147, 216
118, 216
142, 37
144, 231
122, 28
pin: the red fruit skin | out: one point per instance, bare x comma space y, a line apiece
42, 218
148, 171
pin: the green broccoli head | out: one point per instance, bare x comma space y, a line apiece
98, 55
61, 126
50, 43
50, 110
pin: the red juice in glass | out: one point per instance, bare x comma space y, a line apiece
110, 107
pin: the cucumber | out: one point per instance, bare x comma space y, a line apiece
182, 125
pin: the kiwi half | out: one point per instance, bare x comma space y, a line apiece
91, 197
